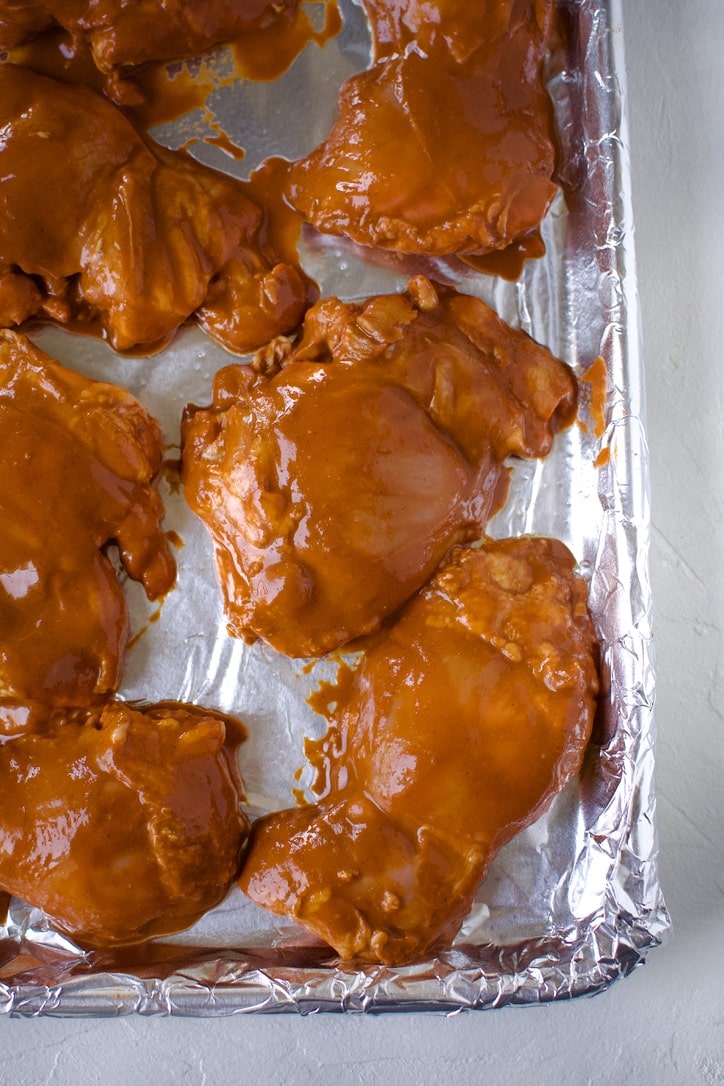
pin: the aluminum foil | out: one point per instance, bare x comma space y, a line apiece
572, 903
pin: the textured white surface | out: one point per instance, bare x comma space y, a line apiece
664, 1024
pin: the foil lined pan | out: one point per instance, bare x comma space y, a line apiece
572, 903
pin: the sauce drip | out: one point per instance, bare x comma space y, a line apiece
508, 263
593, 397
266, 53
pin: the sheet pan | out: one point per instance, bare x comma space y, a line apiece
574, 902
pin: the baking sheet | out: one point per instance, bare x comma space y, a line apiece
573, 902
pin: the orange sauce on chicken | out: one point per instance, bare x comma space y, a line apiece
467, 715
124, 823
120, 823
336, 473
102, 226
157, 72
445, 144
78, 458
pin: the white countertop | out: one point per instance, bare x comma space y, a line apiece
665, 1023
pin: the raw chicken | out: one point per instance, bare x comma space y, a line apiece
78, 457
445, 145
124, 824
463, 722
334, 483
97, 222
119, 823
127, 33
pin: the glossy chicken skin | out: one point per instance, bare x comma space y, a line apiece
127, 33
334, 483
99, 223
78, 457
456, 25
445, 145
464, 720
121, 825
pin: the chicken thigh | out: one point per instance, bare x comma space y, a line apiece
334, 483
122, 824
77, 460
97, 222
127, 33
463, 721
445, 145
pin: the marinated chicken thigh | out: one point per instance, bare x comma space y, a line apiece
119, 823
77, 460
334, 481
124, 824
445, 145
97, 222
127, 33
464, 720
